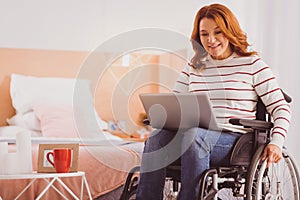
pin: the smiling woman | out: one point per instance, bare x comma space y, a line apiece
219, 33
234, 78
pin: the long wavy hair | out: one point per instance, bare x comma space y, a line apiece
229, 26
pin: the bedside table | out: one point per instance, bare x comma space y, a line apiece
50, 178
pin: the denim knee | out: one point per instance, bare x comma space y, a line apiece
157, 140
161, 149
200, 141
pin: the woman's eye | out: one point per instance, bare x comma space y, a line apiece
204, 34
218, 32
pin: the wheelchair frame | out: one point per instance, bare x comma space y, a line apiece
255, 181
247, 176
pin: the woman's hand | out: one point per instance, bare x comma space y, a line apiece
273, 153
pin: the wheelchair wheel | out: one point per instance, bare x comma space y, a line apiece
278, 182
131, 184
208, 183
130, 187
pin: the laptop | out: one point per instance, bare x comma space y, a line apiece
179, 110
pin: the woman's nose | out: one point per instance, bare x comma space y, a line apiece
211, 38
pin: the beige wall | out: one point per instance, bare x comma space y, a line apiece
67, 64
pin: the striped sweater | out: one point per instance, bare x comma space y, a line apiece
234, 85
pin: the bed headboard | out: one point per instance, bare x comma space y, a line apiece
55, 63
35, 63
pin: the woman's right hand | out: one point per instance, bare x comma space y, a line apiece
273, 153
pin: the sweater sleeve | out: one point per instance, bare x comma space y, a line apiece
182, 83
266, 86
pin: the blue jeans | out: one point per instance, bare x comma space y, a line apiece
198, 148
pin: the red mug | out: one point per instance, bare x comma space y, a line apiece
61, 159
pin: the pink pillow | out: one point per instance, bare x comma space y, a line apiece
59, 121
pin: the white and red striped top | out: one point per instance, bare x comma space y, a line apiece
234, 85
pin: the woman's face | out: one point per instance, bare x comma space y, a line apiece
213, 39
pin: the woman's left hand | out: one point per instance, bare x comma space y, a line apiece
273, 153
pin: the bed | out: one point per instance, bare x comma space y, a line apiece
44, 107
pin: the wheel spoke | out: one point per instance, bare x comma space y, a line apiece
279, 181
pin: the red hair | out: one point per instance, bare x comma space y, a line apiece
228, 24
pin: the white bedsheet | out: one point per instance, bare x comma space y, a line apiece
8, 134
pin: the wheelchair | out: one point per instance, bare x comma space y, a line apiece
247, 176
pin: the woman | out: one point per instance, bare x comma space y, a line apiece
234, 78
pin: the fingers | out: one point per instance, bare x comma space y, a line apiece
272, 153
264, 155
273, 159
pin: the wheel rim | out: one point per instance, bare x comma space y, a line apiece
277, 182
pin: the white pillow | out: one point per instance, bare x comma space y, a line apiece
61, 121
101, 123
29, 121
32, 122
28, 91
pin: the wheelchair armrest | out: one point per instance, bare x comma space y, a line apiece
251, 123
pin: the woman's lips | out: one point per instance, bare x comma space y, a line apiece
214, 46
